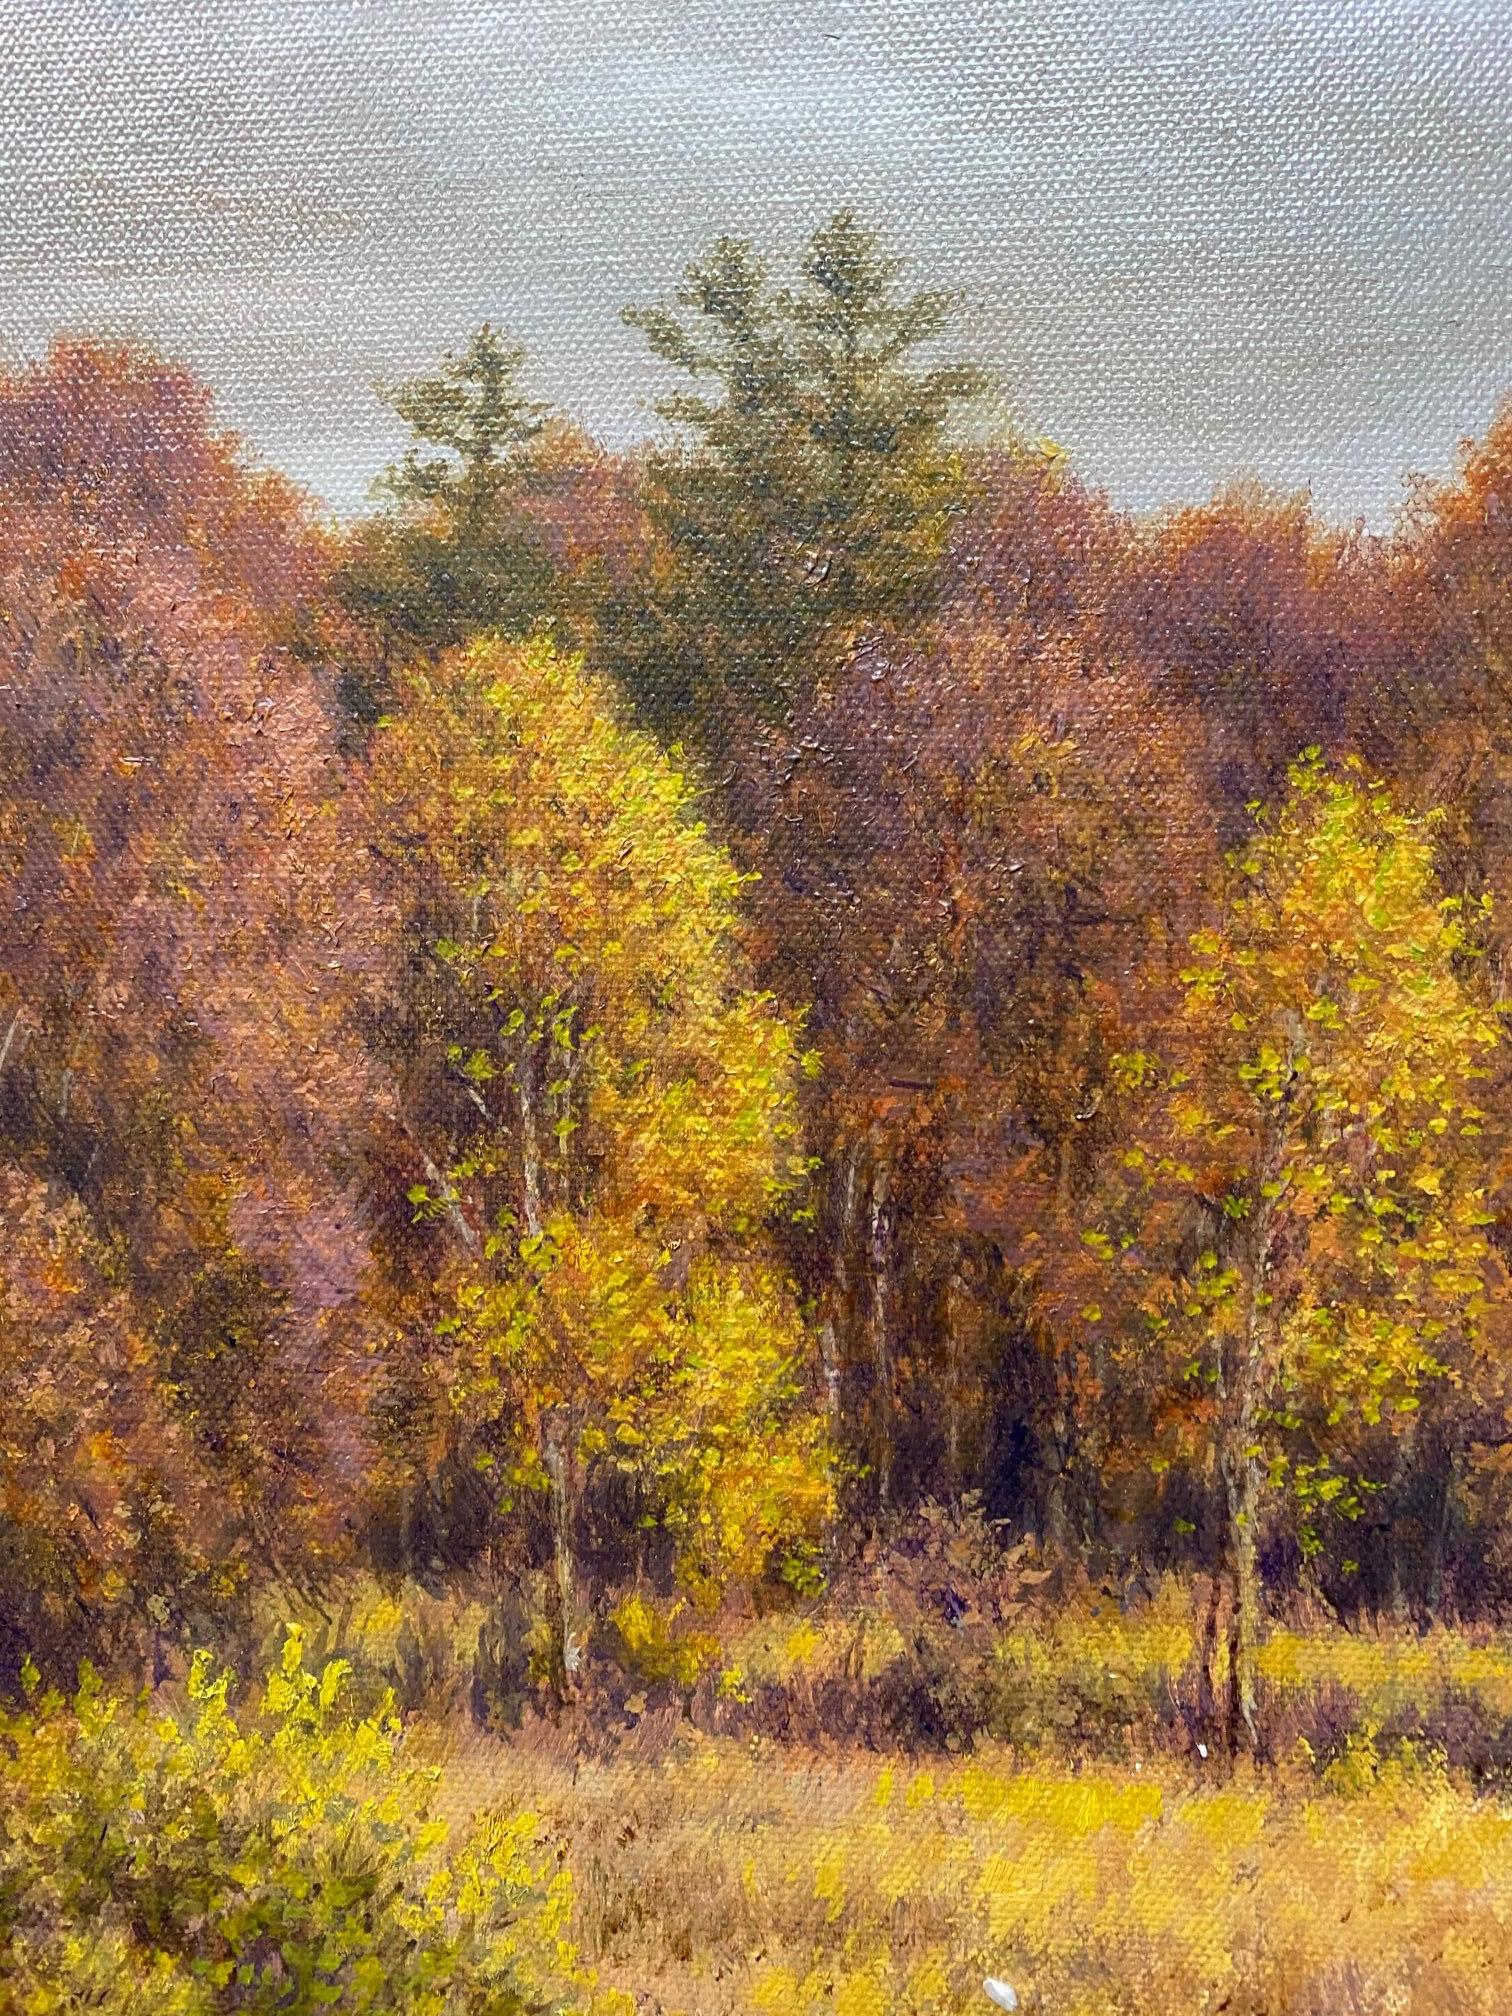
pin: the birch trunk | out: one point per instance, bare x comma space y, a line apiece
881, 1265
1238, 1459
954, 1380
530, 1139
568, 1648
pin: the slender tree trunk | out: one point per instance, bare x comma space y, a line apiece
530, 1138
1239, 1466
1207, 1705
568, 1648
842, 1327
10, 1037
1241, 1725
881, 1342
1240, 1396
829, 1366
954, 1381
454, 1211
1063, 1192
1057, 1516
1435, 1590
837, 1331
1401, 1471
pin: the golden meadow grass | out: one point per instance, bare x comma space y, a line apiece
720, 1874
724, 1876
1097, 1862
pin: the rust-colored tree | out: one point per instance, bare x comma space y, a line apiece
180, 948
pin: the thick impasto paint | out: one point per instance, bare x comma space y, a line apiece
755, 1096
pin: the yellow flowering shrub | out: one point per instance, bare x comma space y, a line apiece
288, 1859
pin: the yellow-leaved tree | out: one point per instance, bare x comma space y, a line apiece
1293, 1239
604, 1108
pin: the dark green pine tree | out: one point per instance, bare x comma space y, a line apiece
812, 486
471, 423
456, 553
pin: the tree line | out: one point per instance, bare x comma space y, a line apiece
637, 1016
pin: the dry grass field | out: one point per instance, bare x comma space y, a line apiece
717, 1876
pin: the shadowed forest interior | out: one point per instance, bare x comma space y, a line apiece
796, 1124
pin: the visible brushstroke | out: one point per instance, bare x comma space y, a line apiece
802, 1142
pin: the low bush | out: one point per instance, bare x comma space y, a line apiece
447, 1652
287, 1859
951, 1633
653, 1643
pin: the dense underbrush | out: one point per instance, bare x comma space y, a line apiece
943, 1640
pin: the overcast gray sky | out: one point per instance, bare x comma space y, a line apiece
1195, 238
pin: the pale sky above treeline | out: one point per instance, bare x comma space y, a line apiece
1193, 239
